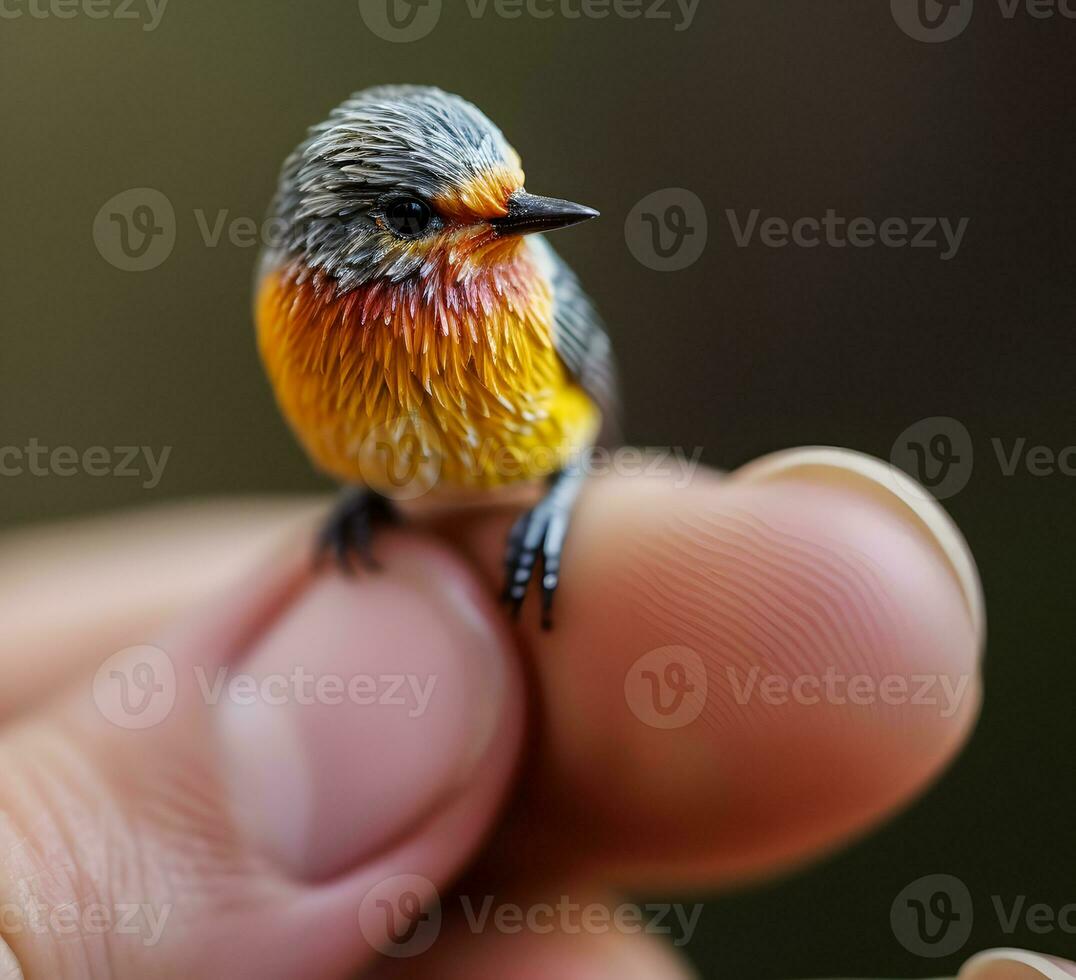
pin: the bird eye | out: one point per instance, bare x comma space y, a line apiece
408, 217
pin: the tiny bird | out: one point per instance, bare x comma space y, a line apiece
418, 330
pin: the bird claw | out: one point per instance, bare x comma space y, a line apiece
538, 534
348, 532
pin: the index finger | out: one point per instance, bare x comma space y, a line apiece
744, 671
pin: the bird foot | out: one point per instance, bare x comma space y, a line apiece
539, 534
348, 533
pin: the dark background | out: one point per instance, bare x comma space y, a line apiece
792, 108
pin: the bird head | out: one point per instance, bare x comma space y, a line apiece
401, 181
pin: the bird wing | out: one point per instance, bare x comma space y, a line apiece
581, 342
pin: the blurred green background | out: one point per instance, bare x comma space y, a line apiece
792, 108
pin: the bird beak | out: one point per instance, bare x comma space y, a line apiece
529, 214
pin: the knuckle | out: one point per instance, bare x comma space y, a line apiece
69, 862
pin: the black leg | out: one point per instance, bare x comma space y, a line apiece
349, 531
537, 538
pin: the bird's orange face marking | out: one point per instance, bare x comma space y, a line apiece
481, 199
467, 243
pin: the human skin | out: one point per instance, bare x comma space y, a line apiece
262, 826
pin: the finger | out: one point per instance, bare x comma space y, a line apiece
572, 933
71, 593
744, 672
254, 788
1016, 964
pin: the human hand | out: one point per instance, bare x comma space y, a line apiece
283, 807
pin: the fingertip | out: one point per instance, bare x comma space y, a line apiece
378, 694
1016, 964
746, 671
893, 490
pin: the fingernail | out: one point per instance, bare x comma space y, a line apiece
1015, 964
364, 707
891, 488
